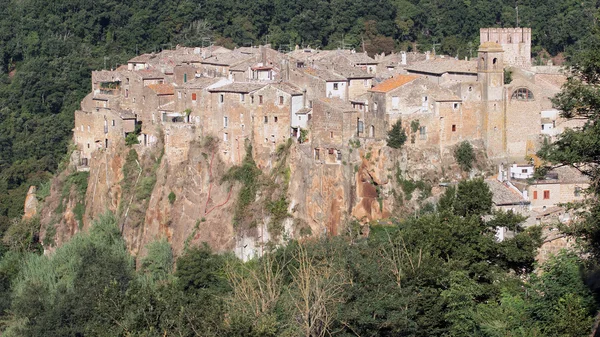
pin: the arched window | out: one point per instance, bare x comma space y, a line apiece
522, 94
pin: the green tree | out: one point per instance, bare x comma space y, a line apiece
396, 136
464, 156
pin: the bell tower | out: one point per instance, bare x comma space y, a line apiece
490, 73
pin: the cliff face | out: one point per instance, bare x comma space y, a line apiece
189, 196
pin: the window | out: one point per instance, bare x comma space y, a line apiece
88, 144
260, 99
339, 155
225, 137
534, 195
275, 119
375, 106
184, 78
360, 127
522, 94
266, 119
194, 96
221, 98
546, 194
299, 118
310, 104
251, 99
126, 93
273, 138
243, 127
455, 106
331, 150
366, 83
225, 122
330, 134
453, 127
280, 100
335, 86
113, 122
524, 170
242, 98
423, 132
316, 154
395, 102
179, 94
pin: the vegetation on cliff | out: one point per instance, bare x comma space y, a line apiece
440, 274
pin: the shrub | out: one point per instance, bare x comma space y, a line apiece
131, 139
396, 136
172, 197
465, 156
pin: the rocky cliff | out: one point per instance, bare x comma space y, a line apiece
197, 198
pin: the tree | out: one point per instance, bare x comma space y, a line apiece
396, 136
464, 156
578, 147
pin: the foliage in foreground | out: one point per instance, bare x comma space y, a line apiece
440, 274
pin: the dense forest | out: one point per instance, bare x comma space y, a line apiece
49, 48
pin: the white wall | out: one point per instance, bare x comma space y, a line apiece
339, 93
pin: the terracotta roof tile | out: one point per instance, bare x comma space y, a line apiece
162, 89
394, 82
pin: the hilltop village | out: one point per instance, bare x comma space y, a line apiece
323, 101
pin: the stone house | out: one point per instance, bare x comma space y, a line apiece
561, 185
319, 83
231, 119
443, 70
334, 123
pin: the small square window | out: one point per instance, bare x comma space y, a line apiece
335, 86
523, 170
455, 106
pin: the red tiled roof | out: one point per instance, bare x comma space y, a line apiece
394, 82
162, 89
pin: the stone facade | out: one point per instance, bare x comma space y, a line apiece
516, 43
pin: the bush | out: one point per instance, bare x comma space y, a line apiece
465, 156
131, 139
172, 197
396, 136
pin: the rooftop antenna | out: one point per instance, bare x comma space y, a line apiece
517, 10
433, 46
470, 45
